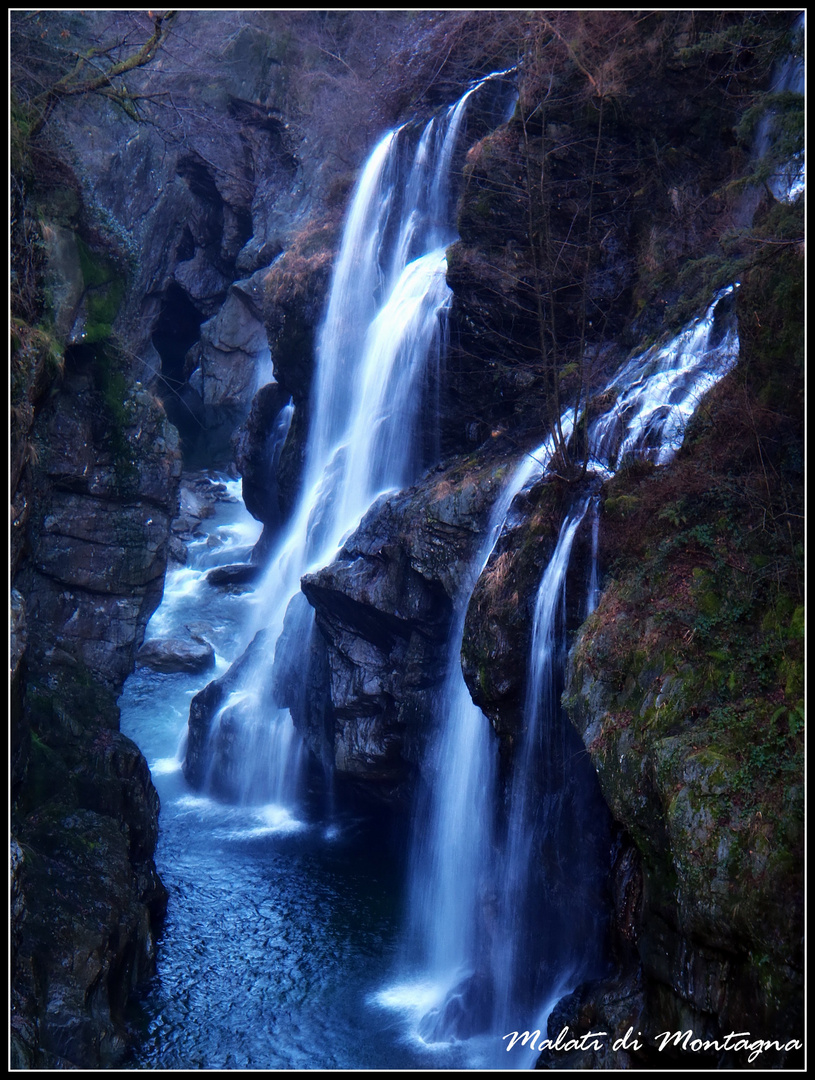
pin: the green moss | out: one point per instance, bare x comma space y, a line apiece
95, 269
47, 776
705, 594
621, 505
36, 357
103, 306
105, 288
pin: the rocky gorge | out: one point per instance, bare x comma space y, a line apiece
176, 229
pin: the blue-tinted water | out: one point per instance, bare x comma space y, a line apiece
280, 930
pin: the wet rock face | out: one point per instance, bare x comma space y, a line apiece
102, 483
105, 945
222, 368
295, 291
498, 627
105, 495
362, 692
255, 458
716, 930
200, 203
20, 734
384, 609
86, 898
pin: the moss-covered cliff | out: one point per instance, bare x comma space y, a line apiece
687, 688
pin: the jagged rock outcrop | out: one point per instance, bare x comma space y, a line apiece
362, 696
498, 627
384, 608
295, 292
257, 455
85, 897
223, 366
104, 489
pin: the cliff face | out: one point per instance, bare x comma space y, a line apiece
686, 687
147, 211
90, 573
157, 265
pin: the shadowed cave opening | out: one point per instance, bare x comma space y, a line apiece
177, 329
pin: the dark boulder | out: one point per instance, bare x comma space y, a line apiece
174, 654
258, 446
384, 608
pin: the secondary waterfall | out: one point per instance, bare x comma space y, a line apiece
449, 875
373, 426
502, 922
556, 917
788, 182
658, 391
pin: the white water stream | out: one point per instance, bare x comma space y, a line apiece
372, 415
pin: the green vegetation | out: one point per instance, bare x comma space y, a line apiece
689, 676
104, 291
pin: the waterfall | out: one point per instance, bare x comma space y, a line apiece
657, 392
373, 418
789, 181
449, 877
540, 800
451, 880
594, 579
500, 926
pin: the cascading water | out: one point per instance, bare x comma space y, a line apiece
450, 877
547, 905
789, 180
501, 926
594, 579
658, 391
372, 423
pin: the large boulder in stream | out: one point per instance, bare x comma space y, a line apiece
361, 687
176, 654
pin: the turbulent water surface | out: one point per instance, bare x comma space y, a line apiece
279, 929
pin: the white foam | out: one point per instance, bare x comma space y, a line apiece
412, 999
269, 820
165, 766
